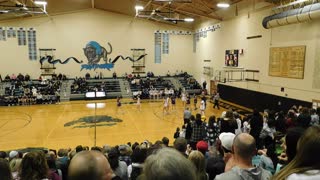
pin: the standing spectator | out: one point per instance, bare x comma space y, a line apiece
177, 133
189, 128
244, 148
204, 84
186, 115
198, 130
228, 123
314, 118
304, 118
256, 124
212, 130
216, 99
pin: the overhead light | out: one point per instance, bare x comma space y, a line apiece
4, 11
138, 8
41, 2
223, 5
188, 19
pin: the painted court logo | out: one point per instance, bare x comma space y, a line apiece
89, 122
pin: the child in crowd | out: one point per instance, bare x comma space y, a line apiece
177, 133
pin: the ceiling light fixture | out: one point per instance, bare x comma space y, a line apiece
40, 2
223, 5
188, 19
138, 8
43, 3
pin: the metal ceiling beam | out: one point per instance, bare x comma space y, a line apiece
188, 12
145, 6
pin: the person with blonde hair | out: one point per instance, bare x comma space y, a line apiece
14, 167
306, 163
197, 158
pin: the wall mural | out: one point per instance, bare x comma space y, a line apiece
89, 122
94, 52
55, 61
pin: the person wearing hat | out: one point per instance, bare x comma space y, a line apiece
13, 154
225, 149
202, 146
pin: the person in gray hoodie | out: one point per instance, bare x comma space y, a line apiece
244, 148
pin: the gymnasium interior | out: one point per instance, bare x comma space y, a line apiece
113, 73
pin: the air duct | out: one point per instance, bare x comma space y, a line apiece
307, 13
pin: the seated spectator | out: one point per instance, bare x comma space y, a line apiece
7, 78
89, 165
15, 165
139, 155
13, 77
306, 163
165, 141
62, 162
20, 77
3, 154
53, 173
27, 77
168, 164
119, 168
87, 76
244, 148
13, 155
114, 75
34, 166
197, 158
125, 153
5, 173
290, 145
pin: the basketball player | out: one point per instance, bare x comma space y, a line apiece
195, 101
173, 102
138, 103
165, 105
183, 99
202, 107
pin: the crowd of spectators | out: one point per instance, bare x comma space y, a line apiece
24, 91
222, 148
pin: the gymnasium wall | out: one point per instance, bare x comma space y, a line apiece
233, 35
69, 33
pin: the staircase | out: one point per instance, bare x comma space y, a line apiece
175, 81
124, 85
65, 90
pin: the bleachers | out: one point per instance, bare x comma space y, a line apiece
80, 87
190, 85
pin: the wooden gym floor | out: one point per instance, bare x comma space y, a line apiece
45, 125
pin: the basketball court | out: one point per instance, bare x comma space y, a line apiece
72, 123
